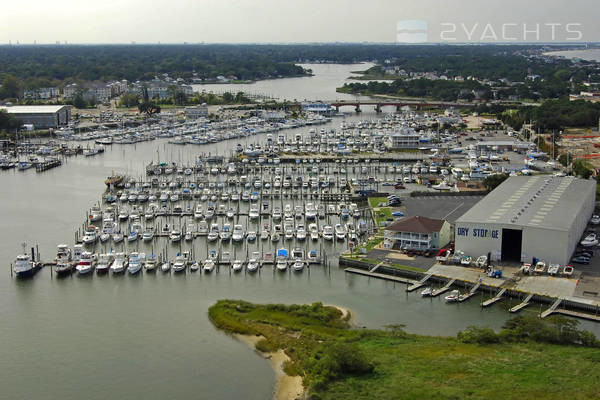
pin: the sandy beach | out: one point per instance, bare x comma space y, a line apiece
286, 387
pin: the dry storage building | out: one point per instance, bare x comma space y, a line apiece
41, 117
540, 216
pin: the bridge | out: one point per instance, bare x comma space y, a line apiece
379, 104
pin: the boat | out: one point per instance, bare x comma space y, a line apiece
90, 236
24, 266
540, 267
114, 180
86, 263
452, 297
225, 233
298, 259
95, 214
237, 265
526, 269
208, 265
175, 236
151, 263
595, 220
466, 260
314, 231
300, 232
136, 262
281, 258
165, 266
328, 232
427, 292
590, 240
340, 232
553, 269
481, 261
213, 234
253, 264
117, 237
148, 234
194, 266
64, 260
104, 263
119, 264
180, 262
567, 270
238, 233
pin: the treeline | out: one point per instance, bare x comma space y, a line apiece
8, 122
179, 99
554, 115
435, 89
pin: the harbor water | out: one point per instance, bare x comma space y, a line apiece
148, 336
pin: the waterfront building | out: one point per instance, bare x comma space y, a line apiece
540, 216
41, 117
417, 233
405, 138
199, 111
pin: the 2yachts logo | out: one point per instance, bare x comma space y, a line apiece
419, 31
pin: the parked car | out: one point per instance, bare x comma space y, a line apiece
581, 260
399, 186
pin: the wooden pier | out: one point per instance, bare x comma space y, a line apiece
522, 305
380, 276
552, 308
470, 293
494, 299
46, 165
418, 284
444, 289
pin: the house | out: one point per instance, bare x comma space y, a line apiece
417, 233
405, 138
199, 111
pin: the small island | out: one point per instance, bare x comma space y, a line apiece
528, 358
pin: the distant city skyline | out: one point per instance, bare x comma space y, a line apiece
277, 21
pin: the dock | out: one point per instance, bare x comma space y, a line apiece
577, 314
470, 293
552, 308
46, 165
494, 299
522, 305
444, 289
380, 276
418, 284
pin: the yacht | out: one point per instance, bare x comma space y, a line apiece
238, 233
175, 236
225, 233
237, 265
208, 265
314, 231
300, 232
340, 232
64, 260
180, 263
104, 263
24, 266
202, 228
148, 234
119, 264
91, 235
213, 234
151, 263
328, 232
86, 263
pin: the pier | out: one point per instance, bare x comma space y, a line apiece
443, 289
494, 299
522, 305
46, 165
470, 293
379, 276
552, 308
418, 284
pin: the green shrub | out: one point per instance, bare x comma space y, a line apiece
478, 335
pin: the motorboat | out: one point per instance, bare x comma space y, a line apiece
567, 270
213, 234
314, 231
251, 236
282, 257
466, 260
175, 236
298, 265
86, 263
237, 265
452, 297
136, 262
117, 237
24, 266
208, 265
300, 232
165, 266
427, 292
225, 233
481, 261
104, 262
540, 267
526, 269
151, 263
91, 235
148, 234
180, 263
64, 259
340, 232
553, 269
238, 233
195, 266
119, 264
95, 214
595, 220
328, 232
252, 265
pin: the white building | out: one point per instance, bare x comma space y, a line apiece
525, 217
417, 233
40, 117
405, 138
199, 111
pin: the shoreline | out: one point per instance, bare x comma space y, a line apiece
286, 387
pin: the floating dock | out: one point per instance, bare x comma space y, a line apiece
444, 289
522, 305
380, 276
552, 308
418, 284
494, 299
470, 293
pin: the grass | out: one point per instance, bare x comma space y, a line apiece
338, 362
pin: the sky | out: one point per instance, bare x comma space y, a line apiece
284, 21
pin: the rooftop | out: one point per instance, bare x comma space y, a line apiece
32, 109
416, 224
540, 201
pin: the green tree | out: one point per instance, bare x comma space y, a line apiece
78, 101
493, 181
130, 99
11, 89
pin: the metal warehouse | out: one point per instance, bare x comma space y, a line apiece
540, 216
41, 116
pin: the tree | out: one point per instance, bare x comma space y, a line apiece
8, 122
228, 97
148, 108
78, 101
493, 181
11, 88
130, 99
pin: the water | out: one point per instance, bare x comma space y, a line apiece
589, 55
148, 336
321, 86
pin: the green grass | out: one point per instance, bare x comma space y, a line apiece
374, 201
406, 267
338, 362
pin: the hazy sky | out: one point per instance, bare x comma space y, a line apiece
169, 21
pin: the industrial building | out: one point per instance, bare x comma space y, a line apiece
540, 216
41, 117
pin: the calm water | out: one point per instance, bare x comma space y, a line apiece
148, 336
590, 55
321, 86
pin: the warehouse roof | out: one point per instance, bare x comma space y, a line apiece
416, 224
32, 109
539, 201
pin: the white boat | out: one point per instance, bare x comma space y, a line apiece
105, 261
64, 259
95, 214
86, 263
23, 265
314, 231
238, 233
300, 232
119, 264
117, 237
481, 261
567, 270
136, 262
213, 234
298, 265
208, 265
175, 236
252, 265
553, 269
442, 186
452, 297
165, 266
148, 234
595, 220
590, 240
237, 265
151, 263
328, 232
340, 232
225, 233
91, 235
194, 266
540, 267
253, 214
180, 263
251, 236
427, 292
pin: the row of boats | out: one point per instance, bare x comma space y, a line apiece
84, 262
